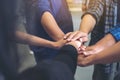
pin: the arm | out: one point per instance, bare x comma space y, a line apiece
87, 24
89, 19
106, 50
48, 20
37, 41
109, 55
104, 43
111, 38
51, 27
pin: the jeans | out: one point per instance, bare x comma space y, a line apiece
104, 71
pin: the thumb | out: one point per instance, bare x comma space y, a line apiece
88, 51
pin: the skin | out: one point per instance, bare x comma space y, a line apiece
37, 41
26, 38
104, 43
86, 26
51, 27
104, 51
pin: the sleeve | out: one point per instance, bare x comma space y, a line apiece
96, 9
116, 32
68, 55
44, 5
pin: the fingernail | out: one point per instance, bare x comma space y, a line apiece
80, 39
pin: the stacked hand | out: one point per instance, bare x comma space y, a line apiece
77, 35
85, 54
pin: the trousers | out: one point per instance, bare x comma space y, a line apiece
62, 67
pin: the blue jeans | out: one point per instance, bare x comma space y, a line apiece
104, 71
1, 76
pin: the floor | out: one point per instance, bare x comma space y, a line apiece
82, 73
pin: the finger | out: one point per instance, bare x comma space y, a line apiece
80, 52
70, 37
86, 54
85, 39
80, 35
77, 36
67, 35
83, 47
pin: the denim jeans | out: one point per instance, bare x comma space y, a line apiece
104, 71
1, 76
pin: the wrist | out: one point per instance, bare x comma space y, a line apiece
54, 45
98, 47
95, 59
58, 44
85, 31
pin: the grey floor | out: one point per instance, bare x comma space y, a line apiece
82, 73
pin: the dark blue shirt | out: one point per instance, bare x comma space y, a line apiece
116, 32
60, 12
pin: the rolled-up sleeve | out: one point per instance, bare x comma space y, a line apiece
95, 8
116, 32
44, 5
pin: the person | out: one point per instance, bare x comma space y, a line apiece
47, 19
109, 51
61, 67
25, 38
8, 58
8, 49
19, 37
100, 17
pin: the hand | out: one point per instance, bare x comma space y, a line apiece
77, 35
91, 50
85, 60
87, 55
59, 44
77, 44
81, 49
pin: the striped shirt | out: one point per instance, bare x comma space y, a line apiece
104, 12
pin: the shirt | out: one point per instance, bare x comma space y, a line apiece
60, 12
116, 32
104, 13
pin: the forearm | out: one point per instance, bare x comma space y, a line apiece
109, 55
68, 55
87, 23
37, 41
92, 16
102, 52
105, 42
51, 26
25, 38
